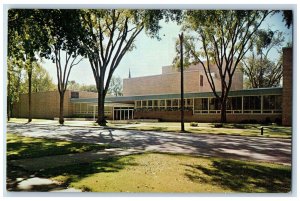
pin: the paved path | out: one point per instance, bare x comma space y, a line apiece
236, 147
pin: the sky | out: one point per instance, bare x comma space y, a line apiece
150, 54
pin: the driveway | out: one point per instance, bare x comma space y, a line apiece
225, 146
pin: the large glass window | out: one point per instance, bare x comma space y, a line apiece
213, 104
234, 103
155, 103
161, 103
144, 104
175, 103
201, 104
138, 104
149, 103
272, 102
252, 103
168, 103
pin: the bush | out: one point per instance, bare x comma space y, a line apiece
268, 121
278, 121
218, 125
194, 124
240, 126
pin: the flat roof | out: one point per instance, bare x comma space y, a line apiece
244, 92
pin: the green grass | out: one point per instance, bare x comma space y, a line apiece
19, 147
174, 173
149, 172
208, 128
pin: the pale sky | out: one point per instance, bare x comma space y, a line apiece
150, 54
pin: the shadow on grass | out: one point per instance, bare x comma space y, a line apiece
243, 176
21, 148
64, 175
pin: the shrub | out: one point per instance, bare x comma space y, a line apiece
194, 124
218, 125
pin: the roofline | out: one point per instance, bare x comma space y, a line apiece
244, 92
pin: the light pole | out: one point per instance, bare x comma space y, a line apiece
181, 82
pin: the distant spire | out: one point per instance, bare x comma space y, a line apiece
129, 75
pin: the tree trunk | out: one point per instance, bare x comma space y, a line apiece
101, 117
61, 108
8, 98
223, 111
29, 94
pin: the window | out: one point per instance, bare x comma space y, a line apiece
161, 103
252, 103
234, 103
144, 104
201, 80
149, 103
138, 104
213, 104
155, 103
175, 103
272, 102
74, 94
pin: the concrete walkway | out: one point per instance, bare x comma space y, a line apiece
235, 147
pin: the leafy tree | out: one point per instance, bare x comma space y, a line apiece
115, 86
91, 88
24, 39
221, 38
262, 69
41, 80
74, 86
110, 34
62, 46
14, 86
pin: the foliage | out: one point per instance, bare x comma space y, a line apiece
194, 124
25, 37
41, 80
115, 86
262, 69
109, 35
221, 38
63, 36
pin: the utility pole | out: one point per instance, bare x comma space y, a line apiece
181, 82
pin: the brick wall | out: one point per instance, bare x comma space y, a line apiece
287, 86
169, 82
46, 104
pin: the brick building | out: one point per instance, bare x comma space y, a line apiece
158, 97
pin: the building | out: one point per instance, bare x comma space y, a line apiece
158, 97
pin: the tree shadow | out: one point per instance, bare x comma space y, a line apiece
70, 173
242, 176
40, 147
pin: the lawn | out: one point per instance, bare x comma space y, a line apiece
154, 172
148, 172
19, 147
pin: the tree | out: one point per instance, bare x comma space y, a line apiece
110, 34
262, 69
74, 86
24, 39
41, 80
14, 87
62, 46
115, 86
222, 38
